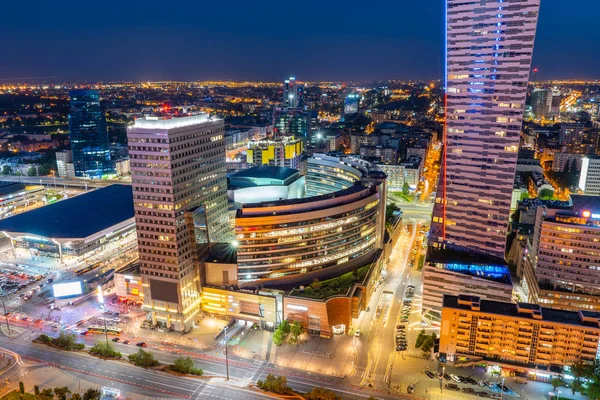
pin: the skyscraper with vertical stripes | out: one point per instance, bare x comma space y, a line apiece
489, 45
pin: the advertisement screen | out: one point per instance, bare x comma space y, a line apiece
67, 289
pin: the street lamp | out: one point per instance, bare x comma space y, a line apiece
101, 301
226, 357
6, 315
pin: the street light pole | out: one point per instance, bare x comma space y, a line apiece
5, 315
226, 357
502, 389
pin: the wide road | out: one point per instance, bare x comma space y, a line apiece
376, 347
145, 382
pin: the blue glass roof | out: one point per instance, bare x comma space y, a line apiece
498, 273
77, 217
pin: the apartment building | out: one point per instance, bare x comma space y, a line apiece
521, 334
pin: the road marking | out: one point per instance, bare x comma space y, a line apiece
166, 384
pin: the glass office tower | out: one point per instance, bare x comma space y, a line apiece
489, 44
89, 136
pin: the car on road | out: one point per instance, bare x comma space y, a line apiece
410, 389
447, 377
452, 386
76, 330
455, 378
430, 374
126, 341
481, 383
116, 340
357, 333
84, 333
468, 390
481, 394
141, 344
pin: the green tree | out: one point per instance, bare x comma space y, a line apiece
278, 337
556, 382
36, 390
295, 332
577, 386
61, 392
143, 359
319, 393
275, 384
91, 394
31, 171
185, 365
105, 349
21, 388
405, 189
76, 396
546, 194
7, 170
67, 341
48, 394
420, 339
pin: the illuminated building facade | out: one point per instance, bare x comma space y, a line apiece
565, 268
489, 45
291, 122
490, 282
589, 178
325, 234
88, 135
521, 334
280, 152
328, 174
293, 94
177, 165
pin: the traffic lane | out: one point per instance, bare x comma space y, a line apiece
138, 379
346, 391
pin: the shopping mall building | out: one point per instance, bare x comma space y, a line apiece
284, 245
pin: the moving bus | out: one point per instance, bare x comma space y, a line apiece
100, 329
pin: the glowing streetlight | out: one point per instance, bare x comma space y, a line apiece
235, 243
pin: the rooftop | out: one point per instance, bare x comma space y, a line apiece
266, 172
75, 218
170, 121
583, 318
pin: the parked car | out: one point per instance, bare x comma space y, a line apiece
141, 344
455, 378
430, 374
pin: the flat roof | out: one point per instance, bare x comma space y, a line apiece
170, 121
512, 310
75, 218
266, 171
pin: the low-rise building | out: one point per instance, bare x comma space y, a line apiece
520, 334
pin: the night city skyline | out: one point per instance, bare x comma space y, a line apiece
149, 41
333, 200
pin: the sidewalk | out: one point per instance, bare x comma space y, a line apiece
335, 356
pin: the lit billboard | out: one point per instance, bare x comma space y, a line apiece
68, 289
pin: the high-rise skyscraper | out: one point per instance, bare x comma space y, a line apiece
88, 135
177, 165
293, 93
489, 44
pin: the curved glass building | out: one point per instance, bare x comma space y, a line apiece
339, 227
